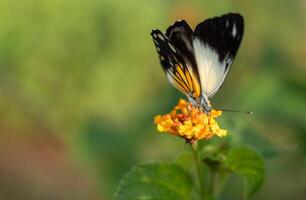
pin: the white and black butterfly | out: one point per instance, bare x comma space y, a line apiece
196, 62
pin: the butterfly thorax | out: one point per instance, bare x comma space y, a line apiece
202, 103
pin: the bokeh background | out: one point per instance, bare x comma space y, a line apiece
80, 83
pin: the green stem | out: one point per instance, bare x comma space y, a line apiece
211, 183
194, 147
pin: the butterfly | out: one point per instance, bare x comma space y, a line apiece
197, 62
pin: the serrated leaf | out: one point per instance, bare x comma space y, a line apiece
155, 181
248, 163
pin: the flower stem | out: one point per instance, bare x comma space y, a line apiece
194, 147
211, 183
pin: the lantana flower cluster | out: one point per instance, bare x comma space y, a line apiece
190, 123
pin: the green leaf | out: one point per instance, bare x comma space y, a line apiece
155, 181
248, 163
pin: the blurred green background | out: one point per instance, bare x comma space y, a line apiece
80, 83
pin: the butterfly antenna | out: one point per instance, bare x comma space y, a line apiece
237, 111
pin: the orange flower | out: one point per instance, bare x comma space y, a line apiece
190, 123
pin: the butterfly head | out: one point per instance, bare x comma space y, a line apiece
202, 104
205, 106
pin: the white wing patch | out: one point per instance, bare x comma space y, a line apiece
234, 31
211, 71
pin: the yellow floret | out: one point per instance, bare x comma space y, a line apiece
190, 123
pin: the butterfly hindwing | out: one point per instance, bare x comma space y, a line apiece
216, 42
176, 66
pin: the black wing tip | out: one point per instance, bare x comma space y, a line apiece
179, 21
238, 18
153, 31
231, 14
234, 15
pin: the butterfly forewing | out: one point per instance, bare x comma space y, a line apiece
180, 35
216, 42
177, 65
